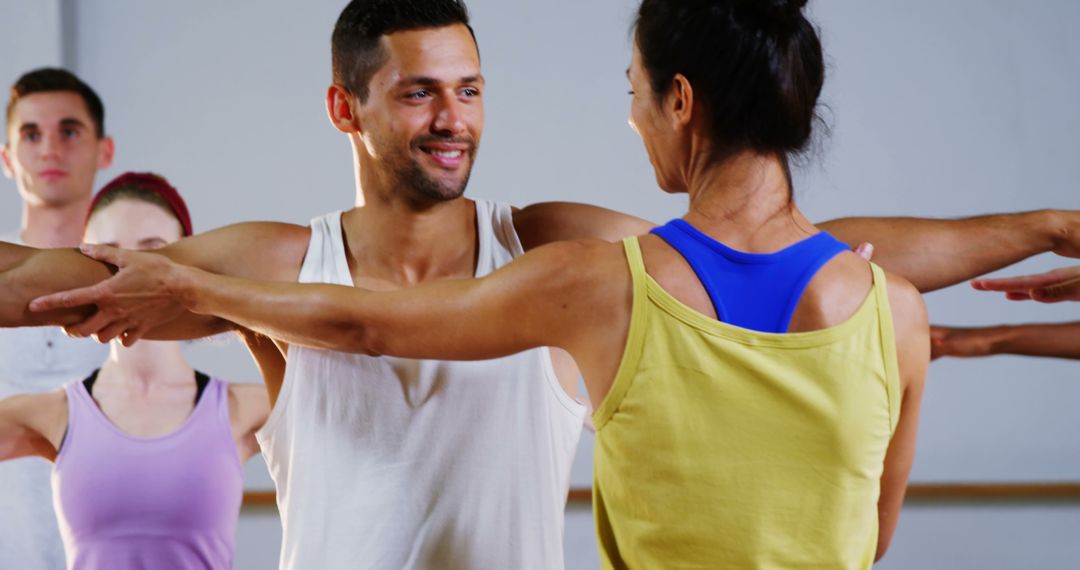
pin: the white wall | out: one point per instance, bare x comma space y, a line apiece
30, 36
937, 109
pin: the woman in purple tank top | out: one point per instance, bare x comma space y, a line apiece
147, 451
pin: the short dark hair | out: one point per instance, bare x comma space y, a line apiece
757, 65
50, 79
355, 46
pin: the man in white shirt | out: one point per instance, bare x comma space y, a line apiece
54, 147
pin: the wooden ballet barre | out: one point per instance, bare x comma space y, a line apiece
917, 491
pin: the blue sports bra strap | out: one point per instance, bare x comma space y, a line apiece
819, 250
697, 255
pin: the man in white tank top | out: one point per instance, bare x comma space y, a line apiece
394, 463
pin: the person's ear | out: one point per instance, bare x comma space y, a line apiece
680, 102
106, 150
341, 107
5, 157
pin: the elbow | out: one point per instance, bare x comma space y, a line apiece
886, 530
351, 335
882, 547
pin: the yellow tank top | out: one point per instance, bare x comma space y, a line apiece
722, 447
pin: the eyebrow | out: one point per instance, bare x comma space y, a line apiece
65, 122
432, 82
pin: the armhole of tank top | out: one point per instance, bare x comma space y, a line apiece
278, 410
220, 389
635, 336
339, 256
501, 216
888, 346
696, 262
315, 245
547, 369
499, 219
808, 274
71, 391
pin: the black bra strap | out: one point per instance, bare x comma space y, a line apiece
201, 382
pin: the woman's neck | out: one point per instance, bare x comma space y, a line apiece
145, 365
745, 202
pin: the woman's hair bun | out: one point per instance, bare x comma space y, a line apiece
777, 16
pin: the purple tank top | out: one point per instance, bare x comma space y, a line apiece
134, 503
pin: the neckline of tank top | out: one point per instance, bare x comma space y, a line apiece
98, 413
801, 339
485, 210
747, 258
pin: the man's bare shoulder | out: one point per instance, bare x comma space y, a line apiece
548, 222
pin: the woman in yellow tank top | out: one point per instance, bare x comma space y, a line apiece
718, 446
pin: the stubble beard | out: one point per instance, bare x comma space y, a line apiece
423, 187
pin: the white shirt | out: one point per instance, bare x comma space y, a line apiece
385, 462
36, 360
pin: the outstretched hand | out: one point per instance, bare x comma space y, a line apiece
129, 304
1051, 287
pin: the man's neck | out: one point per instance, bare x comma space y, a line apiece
405, 244
47, 226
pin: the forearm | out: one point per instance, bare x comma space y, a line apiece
1051, 340
313, 315
936, 253
26, 273
527, 304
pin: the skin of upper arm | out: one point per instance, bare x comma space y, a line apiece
248, 410
913, 355
549, 222
254, 250
32, 425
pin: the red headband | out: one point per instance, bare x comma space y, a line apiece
153, 183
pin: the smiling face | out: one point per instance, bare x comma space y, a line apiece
131, 223
53, 151
424, 116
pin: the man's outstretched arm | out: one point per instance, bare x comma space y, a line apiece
931, 253
254, 250
1052, 340
937, 253
26, 272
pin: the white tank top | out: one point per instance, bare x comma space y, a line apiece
384, 462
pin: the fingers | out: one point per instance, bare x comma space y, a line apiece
113, 330
1021, 283
104, 253
69, 299
1069, 290
1018, 296
93, 324
132, 336
865, 250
